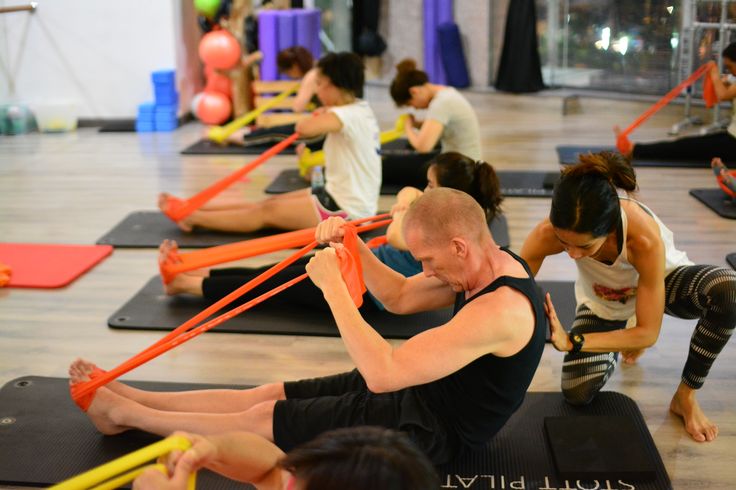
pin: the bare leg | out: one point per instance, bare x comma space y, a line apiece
697, 424
112, 413
292, 211
202, 401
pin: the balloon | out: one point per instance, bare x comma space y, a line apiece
219, 49
194, 107
213, 108
217, 82
208, 8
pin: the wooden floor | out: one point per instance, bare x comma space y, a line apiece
71, 188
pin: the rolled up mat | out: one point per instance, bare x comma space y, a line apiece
268, 42
46, 439
208, 147
452, 55
436, 12
286, 34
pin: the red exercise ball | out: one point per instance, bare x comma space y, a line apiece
217, 82
219, 49
213, 108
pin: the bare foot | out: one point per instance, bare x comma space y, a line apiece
163, 201
82, 370
186, 224
300, 149
725, 177
185, 283
106, 409
627, 152
697, 424
168, 252
631, 356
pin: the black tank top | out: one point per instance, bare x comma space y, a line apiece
477, 400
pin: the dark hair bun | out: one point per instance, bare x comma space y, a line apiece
407, 65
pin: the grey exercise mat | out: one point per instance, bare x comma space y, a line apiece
513, 183
289, 180
147, 229
568, 155
151, 309
731, 259
527, 184
209, 147
45, 439
717, 201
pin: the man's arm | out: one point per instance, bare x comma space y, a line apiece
430, 355
397, 293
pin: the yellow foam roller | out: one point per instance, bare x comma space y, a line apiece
219, 134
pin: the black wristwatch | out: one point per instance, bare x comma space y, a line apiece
577, 340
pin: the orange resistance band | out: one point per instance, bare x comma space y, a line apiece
622, 142
5, 273
176, 263
723, 185
178, 209
350, 268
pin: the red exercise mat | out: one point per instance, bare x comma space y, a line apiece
37, 265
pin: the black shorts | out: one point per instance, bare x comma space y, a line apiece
317, 405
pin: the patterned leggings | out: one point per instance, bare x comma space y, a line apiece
705, 292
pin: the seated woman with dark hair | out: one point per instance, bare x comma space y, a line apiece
720, 144
358, 458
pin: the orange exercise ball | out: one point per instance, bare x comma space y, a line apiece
219, 49
213, 108
217, 82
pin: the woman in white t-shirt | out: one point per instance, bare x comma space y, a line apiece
629, 272
450, 118
352, 162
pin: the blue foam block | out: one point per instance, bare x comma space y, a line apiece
144, 127
163, 77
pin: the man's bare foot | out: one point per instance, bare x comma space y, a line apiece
631, 356
185, 283
697, 424
106, 410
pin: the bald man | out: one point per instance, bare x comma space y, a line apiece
449, 388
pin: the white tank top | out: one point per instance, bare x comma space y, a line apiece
610, 290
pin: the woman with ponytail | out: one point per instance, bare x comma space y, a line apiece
629, 273
450, 118
447, 170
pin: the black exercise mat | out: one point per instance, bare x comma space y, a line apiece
209, 147
519, 456
588, 447
121, 126
151, 309
147, 229
527, 184
731, 259
717, 201
45, 438
289, 180
513, 184
568, 155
